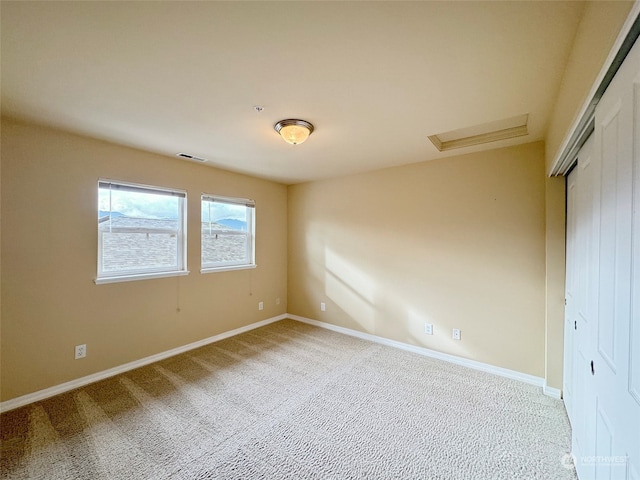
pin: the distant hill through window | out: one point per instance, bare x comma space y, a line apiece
233, 223
106, 213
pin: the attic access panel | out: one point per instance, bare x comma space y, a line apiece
484, 133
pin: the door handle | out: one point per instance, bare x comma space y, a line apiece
575, 325
593, 371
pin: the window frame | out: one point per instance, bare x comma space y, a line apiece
250, 234
180, 269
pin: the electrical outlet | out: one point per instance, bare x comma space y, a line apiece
323, 307
278, 301
428, 328
456, 334
81, 351
260, 305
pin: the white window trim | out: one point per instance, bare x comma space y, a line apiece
251, 236
228, 268
158, 272
140, 276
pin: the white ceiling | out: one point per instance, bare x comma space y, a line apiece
375, 78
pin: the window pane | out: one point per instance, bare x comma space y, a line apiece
138, 251
222, 247
226, 234
224, 215
140, 231
137, 205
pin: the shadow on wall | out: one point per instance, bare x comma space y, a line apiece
394, 285
373, 309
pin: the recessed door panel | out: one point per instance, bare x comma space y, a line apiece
608, 234
603, 458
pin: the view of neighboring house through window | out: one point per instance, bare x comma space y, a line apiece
140, 231
228, 233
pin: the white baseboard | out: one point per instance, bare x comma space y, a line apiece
484, 367
81, 382
551, 391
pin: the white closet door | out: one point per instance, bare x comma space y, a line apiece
570, 324
632, 423
616, 411
602, 366
580, 311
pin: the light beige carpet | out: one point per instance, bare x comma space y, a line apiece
291, 401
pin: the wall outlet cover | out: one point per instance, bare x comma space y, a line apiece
80, 351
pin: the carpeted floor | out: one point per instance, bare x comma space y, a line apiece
294, 401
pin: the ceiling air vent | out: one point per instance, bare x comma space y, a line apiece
484, 133
191, 157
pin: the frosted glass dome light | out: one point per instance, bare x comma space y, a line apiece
294, 131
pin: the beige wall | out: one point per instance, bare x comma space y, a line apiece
555, 211
458, 242
49, 242
600, 24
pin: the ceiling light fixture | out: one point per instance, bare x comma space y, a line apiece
294, 131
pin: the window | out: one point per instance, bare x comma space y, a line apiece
141, 232
228, 231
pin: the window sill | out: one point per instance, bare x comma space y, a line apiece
140, 276
227, 268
